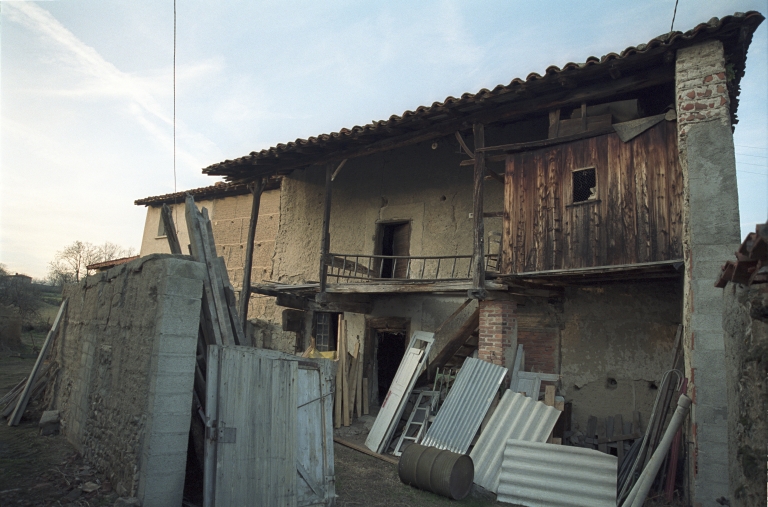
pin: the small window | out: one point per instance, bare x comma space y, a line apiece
326, 331
584, 185
161, 228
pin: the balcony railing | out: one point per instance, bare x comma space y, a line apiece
355, 268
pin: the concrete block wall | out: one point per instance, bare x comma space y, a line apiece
711, 234
498, 332
126, 353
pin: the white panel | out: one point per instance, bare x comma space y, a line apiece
534, 474
516, 417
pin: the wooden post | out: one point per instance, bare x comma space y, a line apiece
478, 255
325, 239
166, 215
257, 187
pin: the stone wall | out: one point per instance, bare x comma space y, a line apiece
710, 235
745, 321
126, 352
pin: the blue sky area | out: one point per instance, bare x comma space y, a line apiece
86, 90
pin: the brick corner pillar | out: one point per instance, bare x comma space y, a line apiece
710, 236
498, 332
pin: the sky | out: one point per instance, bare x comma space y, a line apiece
86, 90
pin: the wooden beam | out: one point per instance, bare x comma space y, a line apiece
166, 215
325, 239
300, 303
256, 187
454, 343
545, 143
404, 288
365, 450
336, 172
464, 145
478, 254
493, 174
554, 123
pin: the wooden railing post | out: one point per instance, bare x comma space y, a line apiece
325, 239
256, 187
478, 254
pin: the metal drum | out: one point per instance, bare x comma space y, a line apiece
442, 472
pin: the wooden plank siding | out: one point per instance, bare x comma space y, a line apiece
636, 217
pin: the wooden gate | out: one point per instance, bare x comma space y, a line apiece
269, 435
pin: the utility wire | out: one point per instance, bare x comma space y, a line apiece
671, 28
174, 96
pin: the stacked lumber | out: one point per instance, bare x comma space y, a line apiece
219, 321
351, 388
751, 258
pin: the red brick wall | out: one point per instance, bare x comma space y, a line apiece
540, 346
497, 325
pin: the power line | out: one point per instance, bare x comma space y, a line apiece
751, 147
174, 96
671, 28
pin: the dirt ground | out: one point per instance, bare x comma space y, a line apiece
46, 471
37, 470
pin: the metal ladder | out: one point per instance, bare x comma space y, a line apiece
418, 420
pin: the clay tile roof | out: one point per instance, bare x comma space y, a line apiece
101, 266
734, 31
220, 189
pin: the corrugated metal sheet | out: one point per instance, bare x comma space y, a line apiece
465, 406
547, 475
517, 417
734, 31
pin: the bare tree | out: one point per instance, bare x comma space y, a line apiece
19, 292
71, 263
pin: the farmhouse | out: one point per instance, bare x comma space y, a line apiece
582, 214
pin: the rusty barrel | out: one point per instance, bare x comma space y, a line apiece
438, 471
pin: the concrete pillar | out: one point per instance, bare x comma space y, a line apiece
498, 332
711, 235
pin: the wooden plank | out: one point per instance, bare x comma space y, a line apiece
549, 396
478, 227
37, 386
359, 448
211, 414
256, 187
346, 412
198, 253
408, 287
601, 436
337, 395
454, 342
166, 215
21, 405
366, 403
238, 331
217, 283
554, 123
618, 426
591, 433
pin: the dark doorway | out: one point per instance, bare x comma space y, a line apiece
389, 353
395, 239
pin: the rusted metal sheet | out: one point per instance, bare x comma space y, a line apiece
635, 217
465, 406
534, 474
516, 417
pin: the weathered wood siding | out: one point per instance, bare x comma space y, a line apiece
637, 216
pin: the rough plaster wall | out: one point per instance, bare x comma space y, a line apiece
623, 332
745, 322
126, 353
230, 217
415, 183
710, 235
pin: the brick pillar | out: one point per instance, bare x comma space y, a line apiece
498, 332
710, 235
